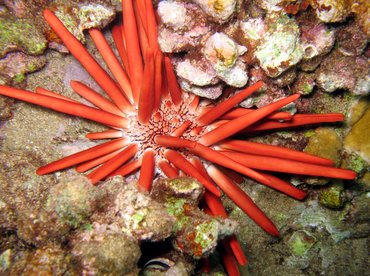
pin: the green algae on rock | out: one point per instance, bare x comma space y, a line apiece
22, 35
78, 17
194, 233
140, 216
332, 196
301, 242
74, 200
5, 260
16, 65
356, 163
304, 84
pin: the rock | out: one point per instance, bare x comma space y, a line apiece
285, 79
361, 9
77, 18
184, 187
357, 215
316, 40
172, 38
48, 260
20, 34
301, 242
195, 233
219, 10
331, 11
5, 108
310, 64
196, 72
16, 65
325, 143
95, 15
38, 227
332, 197
200, 236
344, 72
222, 53
20, 187
270, 5
104, 250
253, 30
74, 200
175, 15
209, 92
281, 48
140, 216
357, 140
236, 76
304, 84
7, 216
351, 40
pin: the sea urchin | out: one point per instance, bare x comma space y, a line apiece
157, 128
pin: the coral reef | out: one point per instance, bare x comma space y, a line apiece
61, 224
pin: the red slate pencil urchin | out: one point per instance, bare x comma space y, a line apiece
157, 128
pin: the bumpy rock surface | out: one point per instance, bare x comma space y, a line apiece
140, 216
219, 10
357, 140
281, 47
22, 35
325, 143
195, 233
331, 11
74, 200
344, 72
102, 250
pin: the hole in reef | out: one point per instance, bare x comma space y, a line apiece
151, 250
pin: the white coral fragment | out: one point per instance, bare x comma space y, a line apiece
330, 11
193, 73
222, 53
281, 48
219, 10
173, 14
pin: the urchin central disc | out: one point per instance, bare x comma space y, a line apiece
167, 120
